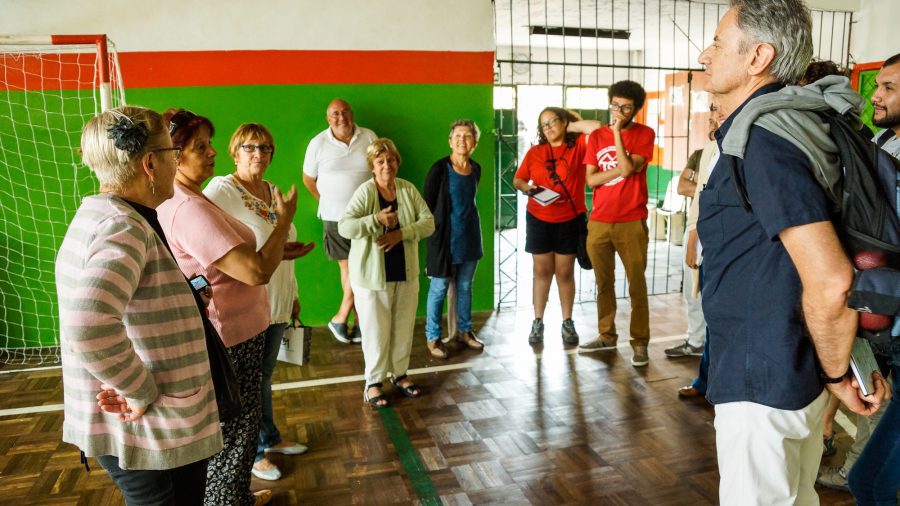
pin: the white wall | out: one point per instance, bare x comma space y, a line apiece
875, 36
178, 25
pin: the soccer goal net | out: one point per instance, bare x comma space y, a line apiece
49, 88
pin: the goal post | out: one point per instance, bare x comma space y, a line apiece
50, 86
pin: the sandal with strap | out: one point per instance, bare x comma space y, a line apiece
412, 390
379, 401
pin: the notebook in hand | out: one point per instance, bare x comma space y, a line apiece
544, 196
863, 364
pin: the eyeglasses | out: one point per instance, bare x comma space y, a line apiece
549, 124
339, 114
179, 119
624, 108
264, 149
176, 150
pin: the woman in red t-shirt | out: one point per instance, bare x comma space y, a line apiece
551, 230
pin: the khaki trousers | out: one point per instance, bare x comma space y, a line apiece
629, 240
386, 320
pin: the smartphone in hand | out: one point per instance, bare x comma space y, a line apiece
199, 283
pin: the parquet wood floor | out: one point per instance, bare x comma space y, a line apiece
509, 425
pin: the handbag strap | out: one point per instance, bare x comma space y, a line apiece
551, 168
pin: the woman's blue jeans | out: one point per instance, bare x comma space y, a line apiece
875, 477
268, 432
437, 292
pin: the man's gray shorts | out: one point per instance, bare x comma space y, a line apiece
336, 246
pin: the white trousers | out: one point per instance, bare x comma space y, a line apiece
696, 331
769, 456
387, 319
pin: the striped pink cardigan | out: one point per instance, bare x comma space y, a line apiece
128, 319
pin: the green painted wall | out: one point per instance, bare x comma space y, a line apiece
416, 117
41, 183
866, 88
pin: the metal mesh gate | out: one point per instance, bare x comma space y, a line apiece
566, 53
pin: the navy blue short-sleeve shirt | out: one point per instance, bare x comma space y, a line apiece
759, 348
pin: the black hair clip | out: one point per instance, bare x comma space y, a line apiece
127, 135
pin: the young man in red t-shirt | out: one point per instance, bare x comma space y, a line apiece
616, 159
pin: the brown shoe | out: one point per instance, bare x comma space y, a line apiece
468, 338
437, 349
688, 391
262, 497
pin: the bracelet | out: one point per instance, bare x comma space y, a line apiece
833, 381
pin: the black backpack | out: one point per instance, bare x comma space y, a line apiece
867, 218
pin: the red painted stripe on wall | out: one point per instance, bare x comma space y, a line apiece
48, 71
225, 68
230, 68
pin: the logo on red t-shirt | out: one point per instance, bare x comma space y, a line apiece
606, 160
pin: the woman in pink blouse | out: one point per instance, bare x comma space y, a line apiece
206, 240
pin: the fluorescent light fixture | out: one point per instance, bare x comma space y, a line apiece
568, 31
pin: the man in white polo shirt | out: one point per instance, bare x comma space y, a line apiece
335, 165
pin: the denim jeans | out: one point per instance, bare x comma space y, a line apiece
183, 485
437, 292
875, 477
268, 432
700, 381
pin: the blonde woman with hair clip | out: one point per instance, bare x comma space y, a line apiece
153, 435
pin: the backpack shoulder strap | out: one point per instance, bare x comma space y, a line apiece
884, 139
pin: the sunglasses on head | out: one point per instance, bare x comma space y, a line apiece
180, 119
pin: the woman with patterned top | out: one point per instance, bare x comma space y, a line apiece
246, 196
130, 326
206, 240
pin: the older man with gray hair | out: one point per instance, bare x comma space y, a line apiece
775, 276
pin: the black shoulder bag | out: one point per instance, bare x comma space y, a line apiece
581, 251
225, 381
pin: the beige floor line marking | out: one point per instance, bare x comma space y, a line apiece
33, 369
486, 363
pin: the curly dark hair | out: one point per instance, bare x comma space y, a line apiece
630, 90
562, 115
819, 69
